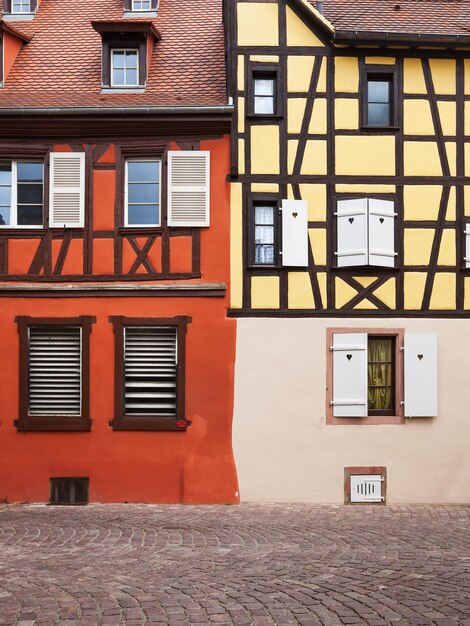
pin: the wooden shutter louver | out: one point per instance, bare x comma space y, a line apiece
294, 233
67, 195
188, 188
150, 370
55, 371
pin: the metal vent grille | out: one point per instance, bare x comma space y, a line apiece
55, 371
69, 490
366, 488
150, 370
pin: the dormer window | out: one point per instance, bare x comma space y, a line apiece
21, 6
147, 8
19, 10
124, 67
141, 5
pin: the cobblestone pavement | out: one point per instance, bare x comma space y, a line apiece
253, 564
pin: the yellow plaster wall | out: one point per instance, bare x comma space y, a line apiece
258, 24
365, 305
241, 73
318, 119
467, 159
467, 118
467, 76
265, 292
241, 156
466, 192
343, 292
421, 202
265, 149
448, 117
346, 74
264, 58
380, 60
414, 283
443, 75
466, 303
264, 187
443, 292
236, 246
421, 158
413, 77
315, 195
447, 248
451, 205
365, 281
387, 293
317, 238
365, 155
348, 188
346, 114
417, 118
314, 161
418, 244
300, 295
298, 33
299, 72
241, 115
295, 114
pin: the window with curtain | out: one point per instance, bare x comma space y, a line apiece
380, 375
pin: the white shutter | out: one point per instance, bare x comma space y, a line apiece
349, 374
381, 233
55, 365
294, 233
467, 245
150, 370
420, 375
67, 190
366, 488
352, 232
188, 188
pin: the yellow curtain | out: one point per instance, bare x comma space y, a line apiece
380, 374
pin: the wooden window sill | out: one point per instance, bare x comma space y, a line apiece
369, 420
56, 424
149, 424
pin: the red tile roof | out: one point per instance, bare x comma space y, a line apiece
61, 66
429, 17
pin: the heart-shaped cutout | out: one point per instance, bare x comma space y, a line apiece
351, 220
381, 220
349, 357
294, 214
420, 357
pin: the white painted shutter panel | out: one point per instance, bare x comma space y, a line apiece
188, 188
420, 375
381, 233
467, 245
352, 232
366, 488
67, 190
294, 233
349, 374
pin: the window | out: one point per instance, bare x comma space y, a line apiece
378, 377
54, 366
265, 236
124, 68
21, 194
365, 232
143, 182
263, 90
149, 373
21, 6
379, 87
141, 5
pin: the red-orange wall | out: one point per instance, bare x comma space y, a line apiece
195, 466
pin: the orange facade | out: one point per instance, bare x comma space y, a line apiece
192, 466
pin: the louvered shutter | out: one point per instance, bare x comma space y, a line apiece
67, 190
150, 370
55, 371
294, 233
381, 233
420, 364
467, 245
349, 374
188, 188
352, 240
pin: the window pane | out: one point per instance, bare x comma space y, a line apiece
378, 91
30, 215
143, 214
131, 59
131, 77
5, 173
380, 373
29, 194
264, 234
4, 216
264, 104
264, 87
118, 59
30, 172
143, 193
5, 196
378, 115
264, 215
264, 254
118, 77
143, 171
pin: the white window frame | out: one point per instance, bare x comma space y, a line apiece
126, 193
134, 10
14, 195
123, 85
28, 12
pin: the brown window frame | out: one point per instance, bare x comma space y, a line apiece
135, 42
263, 70
373, 418
383, 73
25, 422
259, 200
122, 421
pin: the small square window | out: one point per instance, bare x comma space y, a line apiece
263, 91
379, 91
21, 194
143, 192
124, 67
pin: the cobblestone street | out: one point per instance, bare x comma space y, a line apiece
253, 564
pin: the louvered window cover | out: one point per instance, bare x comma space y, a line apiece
67, 189
188, 187
150, 370
55, 371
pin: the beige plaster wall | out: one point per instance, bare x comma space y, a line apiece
284, 450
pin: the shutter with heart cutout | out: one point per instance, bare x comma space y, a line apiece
349, 374
189, 188
352, 240
294, 233
467, 245
381, 235
67, 190
420, 364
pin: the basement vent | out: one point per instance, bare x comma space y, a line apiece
69, 490
366, 488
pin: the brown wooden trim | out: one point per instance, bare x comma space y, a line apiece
373, 470
264, 70
142, 258
384, 72
25, 422
122, 421
64, 248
